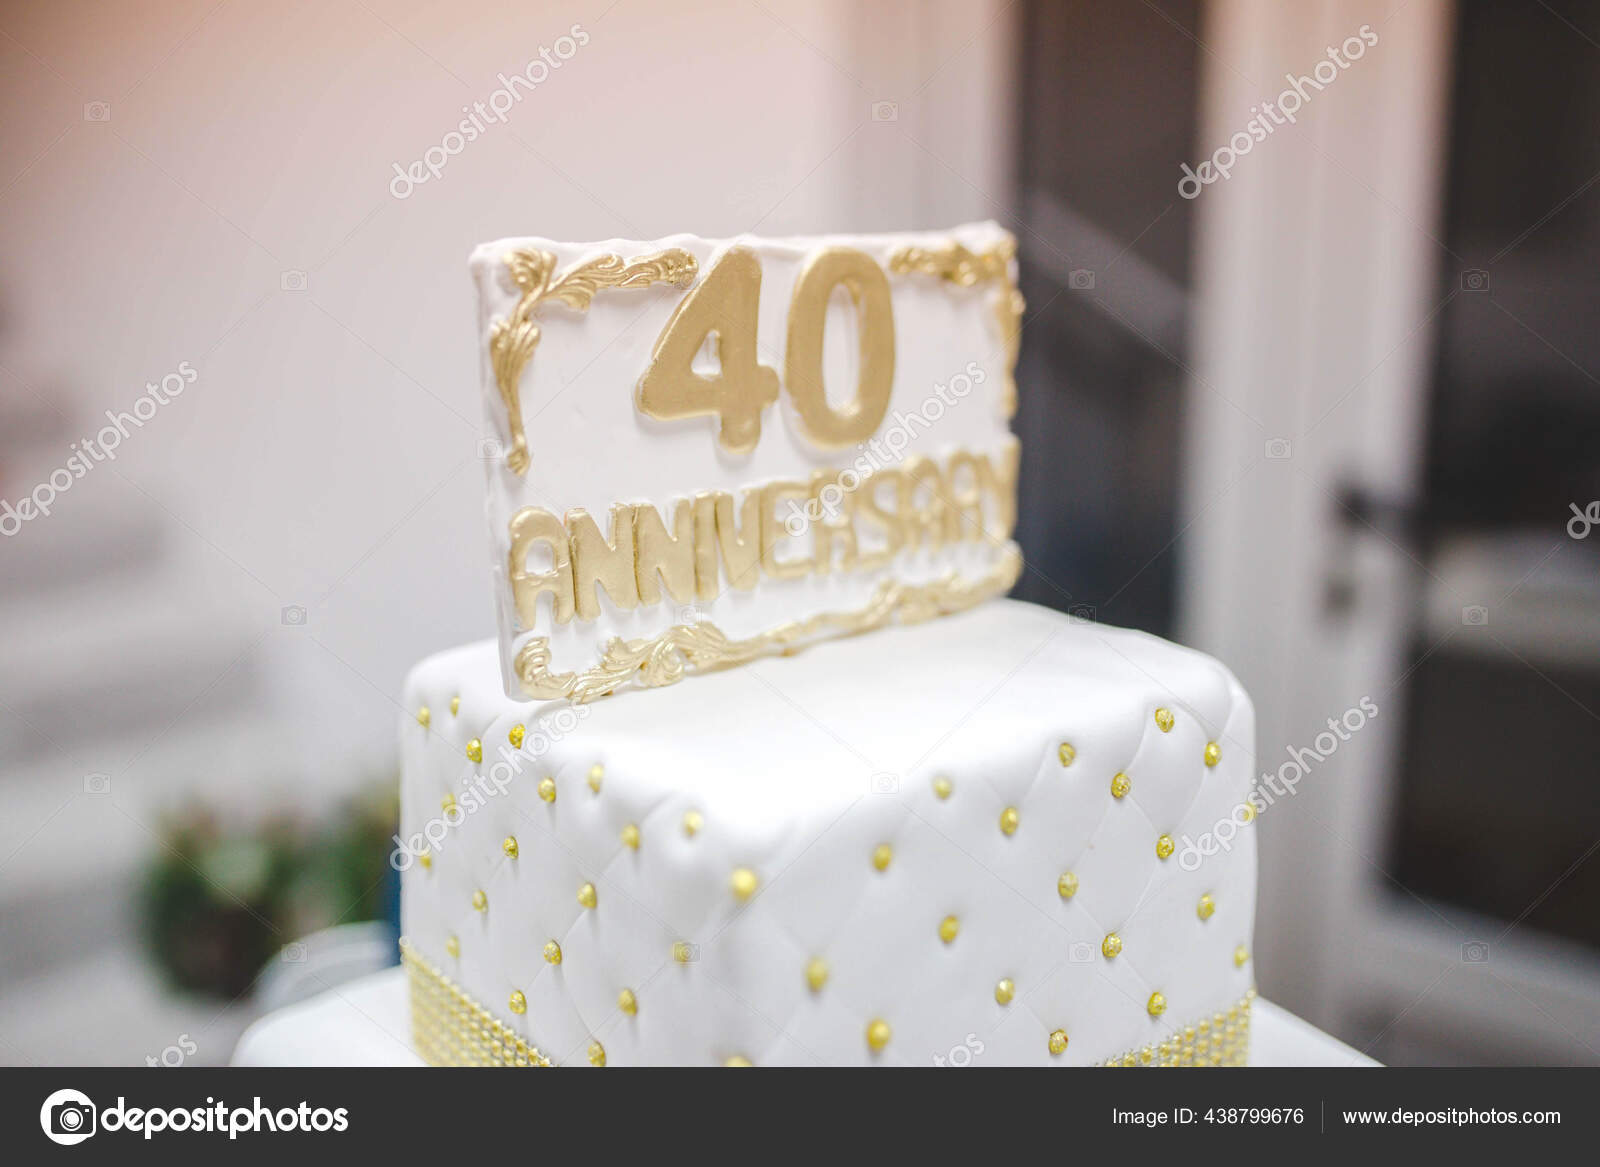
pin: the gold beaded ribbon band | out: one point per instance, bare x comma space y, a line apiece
451, 1028
1223, 1039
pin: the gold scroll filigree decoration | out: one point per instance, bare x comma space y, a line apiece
513, 338
703, 647
964, 268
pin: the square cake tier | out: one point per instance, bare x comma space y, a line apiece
1007, 837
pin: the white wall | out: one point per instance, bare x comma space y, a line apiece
325, 456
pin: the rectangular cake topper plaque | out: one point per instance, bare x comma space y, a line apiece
715, 450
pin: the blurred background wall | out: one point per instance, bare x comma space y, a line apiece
1325, 418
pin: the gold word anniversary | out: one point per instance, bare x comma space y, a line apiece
918, 503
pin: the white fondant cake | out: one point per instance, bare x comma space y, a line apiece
1004, 837
903, 848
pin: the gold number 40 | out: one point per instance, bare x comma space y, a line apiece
725, 305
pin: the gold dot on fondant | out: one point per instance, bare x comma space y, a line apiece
1205, 907
552, 953
587, 896
424, 716
682, 951
1249, 812
737, 1062
480, 900
948, 928
519, 1003
628, 1003
547, 789
455, 705
425, 857
509, 846
693, 820
1120, 785
743, 883
597, 1054
597, 774
877, 1034
1067, 885
475, 750
1009, 820
1004, 990
1240, 956
630, 837
515, 735
447, 802
452, 946
1066, 753
1157, 1005
882, 856
1111, 945
942, 788
1058, 1042
1213, 753
1164, 719
816, 973
1164, 847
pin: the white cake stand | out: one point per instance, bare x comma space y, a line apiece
367, 1023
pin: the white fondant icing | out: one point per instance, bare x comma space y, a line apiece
784, 759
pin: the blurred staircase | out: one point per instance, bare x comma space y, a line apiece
124, 687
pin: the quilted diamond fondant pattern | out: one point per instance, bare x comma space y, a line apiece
785, 763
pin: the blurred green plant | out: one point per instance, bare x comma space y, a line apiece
218, 903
